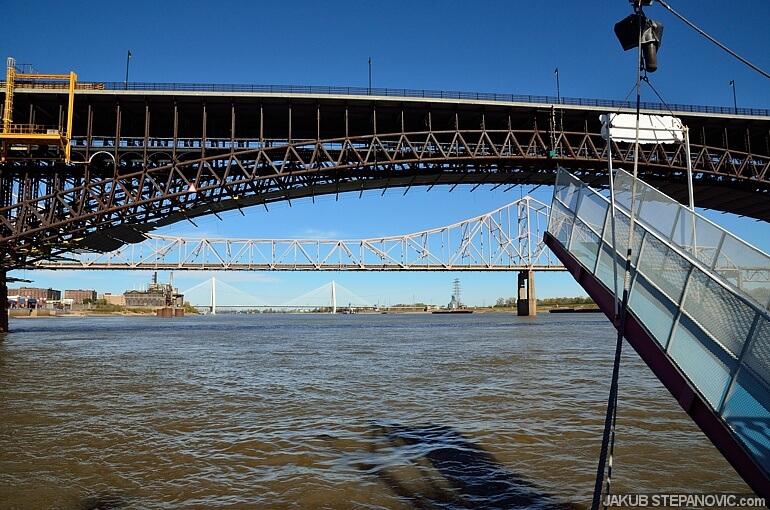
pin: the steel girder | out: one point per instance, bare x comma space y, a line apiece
49, 212
190, 159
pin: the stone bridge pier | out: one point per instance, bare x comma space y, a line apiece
526, 303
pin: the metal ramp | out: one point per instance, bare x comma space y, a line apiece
698, 307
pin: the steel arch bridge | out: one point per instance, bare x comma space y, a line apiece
152, 154
507, 239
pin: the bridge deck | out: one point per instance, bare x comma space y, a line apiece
702, 331
148, 155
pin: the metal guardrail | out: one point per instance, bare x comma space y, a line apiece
713, 329
413, 93
736, 263
28, 129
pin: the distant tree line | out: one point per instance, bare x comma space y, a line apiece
560, 301
557, 301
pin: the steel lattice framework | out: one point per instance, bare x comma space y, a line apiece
509, 238
146, 157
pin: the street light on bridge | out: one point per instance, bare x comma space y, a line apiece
558, 88
128, 60
735, 98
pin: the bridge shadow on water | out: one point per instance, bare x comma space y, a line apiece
435, 467
430, 467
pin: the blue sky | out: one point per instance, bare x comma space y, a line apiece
486, 46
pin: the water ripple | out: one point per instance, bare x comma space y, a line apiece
369, 412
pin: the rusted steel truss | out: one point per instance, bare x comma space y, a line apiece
133, 177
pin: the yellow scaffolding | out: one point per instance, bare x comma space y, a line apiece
24, 135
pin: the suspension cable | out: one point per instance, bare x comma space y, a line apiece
704, 34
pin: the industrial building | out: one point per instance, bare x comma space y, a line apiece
48, 294
156, 295
78, 296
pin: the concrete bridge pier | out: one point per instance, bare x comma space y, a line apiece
526, 304
3, 301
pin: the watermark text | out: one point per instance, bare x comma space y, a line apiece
684, 501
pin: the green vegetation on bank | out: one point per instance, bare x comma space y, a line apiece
566, 301
548, 302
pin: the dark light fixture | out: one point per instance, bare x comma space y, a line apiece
627, 32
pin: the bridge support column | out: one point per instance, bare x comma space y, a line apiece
3, 301
526, 304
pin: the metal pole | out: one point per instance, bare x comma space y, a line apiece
128, 60
689, 188
735, 98
370, 76
558, 87
612, 212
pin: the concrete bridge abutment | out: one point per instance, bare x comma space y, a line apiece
526, 303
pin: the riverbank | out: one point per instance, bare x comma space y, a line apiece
47, 314
55, 314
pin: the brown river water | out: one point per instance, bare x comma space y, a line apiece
321, 411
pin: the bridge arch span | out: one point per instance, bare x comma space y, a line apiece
203, 153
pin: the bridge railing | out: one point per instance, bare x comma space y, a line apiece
415, 93
738, 264
715, 333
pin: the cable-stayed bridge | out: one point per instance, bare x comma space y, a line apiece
508, 238
214, 294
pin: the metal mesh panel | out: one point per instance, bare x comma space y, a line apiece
653, 309
604, 270
738, 263
682, 229
584, 245
593, 211
623, 183
607, 229
621, 238
758, 356
664, 267
703, 362
567, 189
658, 211
716, 310
746, 412
707, 238
560, 223
743, 265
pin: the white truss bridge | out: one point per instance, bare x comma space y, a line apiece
508, 238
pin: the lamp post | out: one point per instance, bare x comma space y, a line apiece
128, 60
558, 88
735, 98
370, 76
